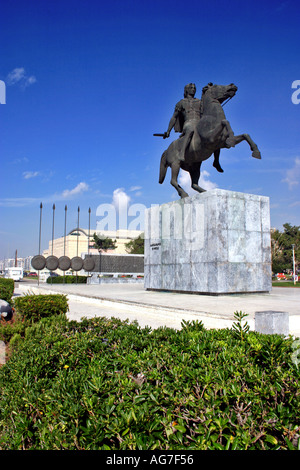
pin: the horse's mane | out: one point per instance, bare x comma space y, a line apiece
204, 90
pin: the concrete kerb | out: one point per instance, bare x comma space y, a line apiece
165, 309
144, 313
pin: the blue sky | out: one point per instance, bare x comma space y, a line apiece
89, 82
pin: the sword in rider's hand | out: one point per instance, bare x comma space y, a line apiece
161, 135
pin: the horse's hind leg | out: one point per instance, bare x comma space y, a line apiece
195, 175
175, 167
253, 146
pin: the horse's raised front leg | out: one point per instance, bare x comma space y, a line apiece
230, 138
216, 162
253, 146
175, 167
221, 130
195, 175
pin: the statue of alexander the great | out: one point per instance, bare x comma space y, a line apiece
204, 132
185, 119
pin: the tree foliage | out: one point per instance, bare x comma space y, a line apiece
135, 246
282, 252
104, 244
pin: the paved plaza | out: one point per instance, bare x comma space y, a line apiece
156, 309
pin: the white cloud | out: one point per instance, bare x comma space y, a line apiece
27, 201
185, 181
15, 76
18, 75
80, 188
30, 174
293, 175
30, 80
205, 183
18, 201
136, 190
120, 200
18, 161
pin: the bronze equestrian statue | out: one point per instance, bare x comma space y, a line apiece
204, 131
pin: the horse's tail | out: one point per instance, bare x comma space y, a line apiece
163, 167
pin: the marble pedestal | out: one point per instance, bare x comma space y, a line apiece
216, 242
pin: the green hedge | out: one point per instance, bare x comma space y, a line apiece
7, 287
107, 384
35, 307
67, 280
16, 326
5, 293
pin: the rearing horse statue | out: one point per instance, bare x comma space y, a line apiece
212, 133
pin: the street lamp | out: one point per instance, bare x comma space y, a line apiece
293, 247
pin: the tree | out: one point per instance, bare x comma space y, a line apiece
103, 244
136, 246
282, 251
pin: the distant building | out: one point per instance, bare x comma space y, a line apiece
24, 263
78, 243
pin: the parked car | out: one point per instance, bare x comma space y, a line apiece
45, 273
281, 277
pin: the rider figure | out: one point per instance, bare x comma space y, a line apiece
185, 119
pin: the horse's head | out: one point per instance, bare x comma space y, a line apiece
219, 92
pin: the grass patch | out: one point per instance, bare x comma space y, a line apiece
285, 284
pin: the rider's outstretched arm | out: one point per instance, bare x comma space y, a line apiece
171, 123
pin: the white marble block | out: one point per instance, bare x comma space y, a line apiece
272, 322
216, 242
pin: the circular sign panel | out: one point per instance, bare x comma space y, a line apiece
64, 263
76, 263
38, 262
52, 263
88, 264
